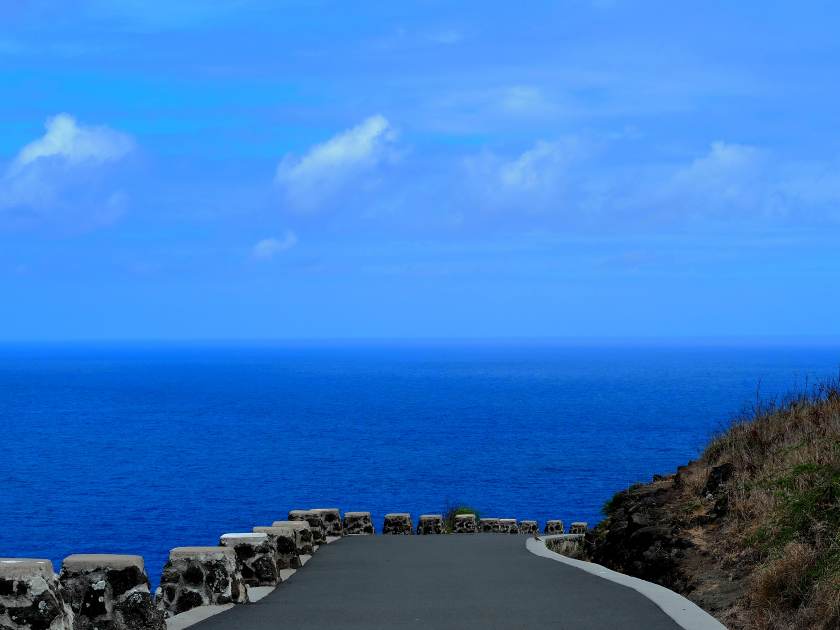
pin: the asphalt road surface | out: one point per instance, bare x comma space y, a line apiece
486, 581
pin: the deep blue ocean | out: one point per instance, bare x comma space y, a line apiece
139, 449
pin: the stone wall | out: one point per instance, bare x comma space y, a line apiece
255, 557
30, 596
200, 576
398, 524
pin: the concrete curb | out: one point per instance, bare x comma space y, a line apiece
685, 613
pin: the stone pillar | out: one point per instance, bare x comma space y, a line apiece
554, 527
398, 524
332, 520
303, 535
430, 524
578, 527
488, 525
109, 591
316, 522
358, 524
465, 524
284, 541
31, 597
508, 526
528, 527
255, 555
200, 576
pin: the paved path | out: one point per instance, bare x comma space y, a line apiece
487, 581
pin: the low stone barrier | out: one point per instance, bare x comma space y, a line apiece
303, 535
554, 527
578, 527
30, 596
488, 525
255, 555
358, 524
332, 521
465, 524
200, 576
285, 543
109, 591
398, 524
316, 522
528, 527
508, 526
430, 524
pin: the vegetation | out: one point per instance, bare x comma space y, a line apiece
452, 511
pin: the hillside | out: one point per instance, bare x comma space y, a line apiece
751, 530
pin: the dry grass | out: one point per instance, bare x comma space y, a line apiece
783, 525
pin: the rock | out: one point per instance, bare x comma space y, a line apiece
578, 527
718, 476
528, 527
488, 525
554, 527
398, 524
316, 523
358, 524
303, 535
200, 576
332, 520
430, 524
465, 524
31, 596
285, 542
255, 555
508, 526
109, 591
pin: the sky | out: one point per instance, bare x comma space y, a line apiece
245, 169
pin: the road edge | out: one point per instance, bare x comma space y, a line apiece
684, 612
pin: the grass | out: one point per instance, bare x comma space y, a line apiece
784, 509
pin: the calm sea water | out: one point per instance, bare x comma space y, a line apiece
137, 450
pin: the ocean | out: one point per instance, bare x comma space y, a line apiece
141, 448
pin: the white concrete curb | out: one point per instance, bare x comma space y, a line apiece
685, 613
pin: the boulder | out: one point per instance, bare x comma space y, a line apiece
398, 524
465, 524
528, 527
285, 542
110, 592
255, 555
316, 523
430, 524
578, 527
358, 524
31, 597
332, 520
200, 576
554, 527
303, 535
508, 526
488, 525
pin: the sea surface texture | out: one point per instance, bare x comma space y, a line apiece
141, 449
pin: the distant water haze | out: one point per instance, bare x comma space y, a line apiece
131, 449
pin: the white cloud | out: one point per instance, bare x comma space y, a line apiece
63, 174
268, 248
66, 140
328, 167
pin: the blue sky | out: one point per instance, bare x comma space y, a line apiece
250, 169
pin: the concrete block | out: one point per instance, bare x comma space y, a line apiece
109, 591
554, 527
465, 524
528, 527
31, 596
285, 542
398, 524
429, 524
332, 520
578, 527
488, 526
508, 526
316, 523
200, 576
255, 555
358, 524
303, 535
